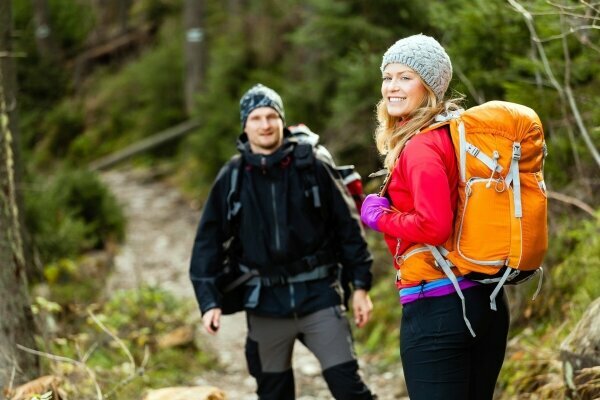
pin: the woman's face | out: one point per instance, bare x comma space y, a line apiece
402, 90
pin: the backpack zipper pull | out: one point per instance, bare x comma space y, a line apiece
398, 257
495, 157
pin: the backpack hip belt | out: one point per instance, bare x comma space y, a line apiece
257, 281
315, 266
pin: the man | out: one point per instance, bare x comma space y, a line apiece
295, 224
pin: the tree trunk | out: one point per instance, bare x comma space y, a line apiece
194, 52
123, 15
16, 321
44, 37
8, 81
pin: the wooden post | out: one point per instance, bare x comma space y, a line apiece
44, 37
194, 52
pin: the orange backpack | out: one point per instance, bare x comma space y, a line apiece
500, 233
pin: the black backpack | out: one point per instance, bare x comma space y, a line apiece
230, 282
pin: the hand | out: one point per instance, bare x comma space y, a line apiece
372, 209
362, 307
212, 320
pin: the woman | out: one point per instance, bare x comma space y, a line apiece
440, 355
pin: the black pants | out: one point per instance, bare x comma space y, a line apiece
326, 333
441, 359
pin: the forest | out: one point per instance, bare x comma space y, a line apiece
101, 97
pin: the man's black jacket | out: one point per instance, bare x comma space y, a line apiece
278, 225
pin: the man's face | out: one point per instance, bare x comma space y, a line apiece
264, 128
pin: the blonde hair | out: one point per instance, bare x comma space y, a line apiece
391, 135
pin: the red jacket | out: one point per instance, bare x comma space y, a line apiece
423, 188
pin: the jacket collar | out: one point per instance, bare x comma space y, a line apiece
262, 160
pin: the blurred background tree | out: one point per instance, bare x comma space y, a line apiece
101, 75
16, 324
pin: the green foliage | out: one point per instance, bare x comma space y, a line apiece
145, 97
43, 82
135, 313
531, 368
578, 275
73, 213
154, 10
567, 292
480, 52
70, 284
71, 22
61, 126
119, 345
379, 339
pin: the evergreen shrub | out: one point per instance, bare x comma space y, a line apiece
72, 213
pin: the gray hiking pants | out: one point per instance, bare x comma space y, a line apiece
326, 333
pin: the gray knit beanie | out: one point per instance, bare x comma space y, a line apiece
426, 57
260, 96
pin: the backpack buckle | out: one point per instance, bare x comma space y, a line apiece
312, 261
274, 280
516, 151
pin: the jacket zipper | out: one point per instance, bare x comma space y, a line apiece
275, 222
292, 296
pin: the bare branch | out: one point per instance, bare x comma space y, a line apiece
10, 54
568, 127
89, 371
89, 352
564, 93
139, 372
115, 338
49, 356
479, 98
568, 14
134, 372
592, 6
563, 6
583, 39
572, 201
572, 30
12, 378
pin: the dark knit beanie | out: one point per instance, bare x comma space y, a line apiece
426, 57
260, 96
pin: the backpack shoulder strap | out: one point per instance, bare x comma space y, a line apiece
234, 204
440, 120
304, 155
304, 159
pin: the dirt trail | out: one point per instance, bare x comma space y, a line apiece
160, 232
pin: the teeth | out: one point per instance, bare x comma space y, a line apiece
396, 99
